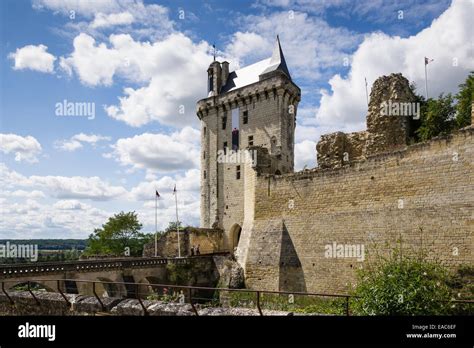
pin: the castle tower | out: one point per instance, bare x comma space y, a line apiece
254, 109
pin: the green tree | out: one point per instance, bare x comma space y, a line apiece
118, 235
438, 118
172, 226
465, 97
416, 123
402, 286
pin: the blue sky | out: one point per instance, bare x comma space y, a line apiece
143, 66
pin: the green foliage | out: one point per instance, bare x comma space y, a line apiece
437, 118
119, 234
465, 98
402, 286
289, 303
180, 274
172, 226
416, 123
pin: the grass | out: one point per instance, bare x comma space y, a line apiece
290, 303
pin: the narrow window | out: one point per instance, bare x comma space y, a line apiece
225, 147
224, 122
204, 155
210, 82
246, 117
237, 174
235, 129
204, 174
250, 140
204, 131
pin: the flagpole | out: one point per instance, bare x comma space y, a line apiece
426, 79
156, 228
177, 220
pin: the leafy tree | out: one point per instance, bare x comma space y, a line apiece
172, 226
465, 98
120, 232
438, 118
403, 286
416, 123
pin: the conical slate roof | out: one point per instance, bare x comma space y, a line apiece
251, 73
277, 61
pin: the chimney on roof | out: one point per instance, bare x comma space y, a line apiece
225, 72
214, 78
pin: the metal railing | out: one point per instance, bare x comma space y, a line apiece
257, 294
27, 269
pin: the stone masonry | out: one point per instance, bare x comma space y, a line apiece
371, 188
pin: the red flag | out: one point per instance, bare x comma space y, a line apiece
157, 194
427, 61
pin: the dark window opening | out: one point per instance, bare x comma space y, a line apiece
225, 147
71, 287
204, 155
224, 122
250, 140
204, 174
204, 131
235, 128
246, 117
237, 173
210, 82
235, 139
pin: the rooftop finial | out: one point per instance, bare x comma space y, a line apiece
214, 51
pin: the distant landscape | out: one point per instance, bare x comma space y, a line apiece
49, 249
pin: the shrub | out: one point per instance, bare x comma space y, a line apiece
403, 286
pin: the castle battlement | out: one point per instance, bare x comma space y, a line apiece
371, 188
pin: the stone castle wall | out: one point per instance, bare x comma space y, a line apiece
423, 194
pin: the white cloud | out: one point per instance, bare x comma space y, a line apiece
170, 72
113, 19
95, 64
188, 187
24, 148
77, 140
81, 7
305, 154
446, 41
159, 152
97, 18
22, 193
385, 12
249, 45
65, 219
70, 204
33, 58
92, 188
310, 45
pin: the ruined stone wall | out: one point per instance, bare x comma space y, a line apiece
209, 241
391, 109
423, 194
